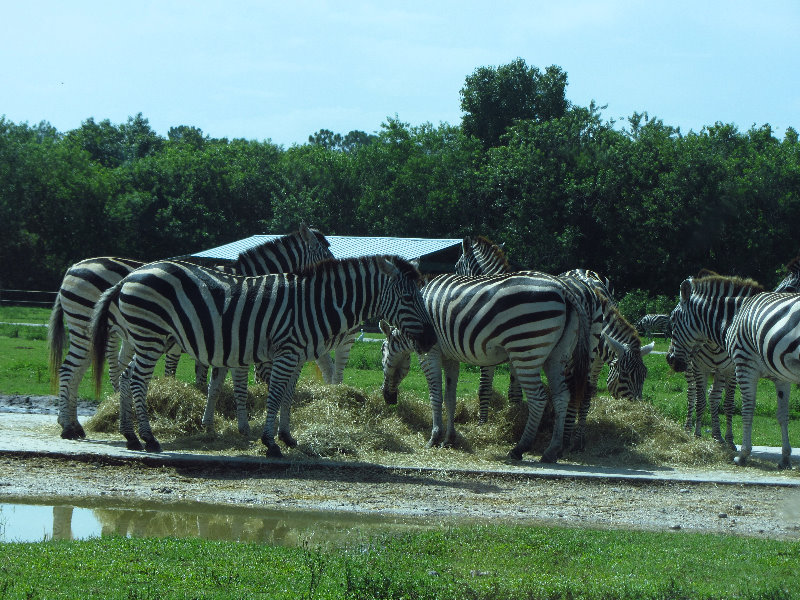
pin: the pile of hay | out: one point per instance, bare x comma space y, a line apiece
345, 423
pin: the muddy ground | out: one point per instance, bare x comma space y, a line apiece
528, 498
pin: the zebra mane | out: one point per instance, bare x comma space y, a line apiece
332, 264
707, 273
278, 244
794, 265
622, 326
488, 247
739, 285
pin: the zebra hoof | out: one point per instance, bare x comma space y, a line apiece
287, 439
549, 457
786, 463
73, 432
515, 453
740, 460
133, 443
273, 451
245, 431
152, 445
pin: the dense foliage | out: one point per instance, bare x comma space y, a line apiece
644, 204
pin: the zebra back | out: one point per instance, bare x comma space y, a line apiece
286, 254
480, 256
594, 278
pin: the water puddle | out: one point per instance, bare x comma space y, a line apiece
20, 522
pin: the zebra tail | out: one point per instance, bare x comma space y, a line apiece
99, 327
579, 382
55, 341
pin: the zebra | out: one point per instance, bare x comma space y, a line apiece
758, 330
654, 323
531, 322
480, 256
791, 283
233, 321
85, 281
711, 360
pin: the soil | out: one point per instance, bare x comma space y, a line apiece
771, 511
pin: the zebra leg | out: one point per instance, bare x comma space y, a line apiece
531, 382
171, 361
126, 427
559, 391
783, 389
239, 377
714, 400
747, 379
283, 368
691, 398
72, 370
284, 427
699, 404
142, 371
485, 390
200, 375
325, 364
214, 385
730, 397
451, 368
121, 361
342, 356
514, 388
431, 365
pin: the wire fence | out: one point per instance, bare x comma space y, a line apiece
27, 298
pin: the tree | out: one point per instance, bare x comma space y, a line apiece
494, 98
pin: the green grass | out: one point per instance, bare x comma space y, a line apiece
476, 562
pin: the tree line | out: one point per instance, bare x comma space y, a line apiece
644, 204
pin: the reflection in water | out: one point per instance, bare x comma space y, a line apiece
36, 523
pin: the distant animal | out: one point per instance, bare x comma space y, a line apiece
653, 323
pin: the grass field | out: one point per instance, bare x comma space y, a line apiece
480, 562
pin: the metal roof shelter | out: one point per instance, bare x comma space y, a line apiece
434, 255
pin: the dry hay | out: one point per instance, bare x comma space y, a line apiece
345, 423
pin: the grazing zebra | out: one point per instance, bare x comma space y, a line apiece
531, 322
233, 321
760, 331
84, 283
651, 323
614, 341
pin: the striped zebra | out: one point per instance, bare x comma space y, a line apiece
710, 360
653, 323
84, 283
532, 322
759, 330
614, 341
233, 321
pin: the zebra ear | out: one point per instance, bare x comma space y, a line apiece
645, 350
387, 267
307, 235
386, 329
617, 347
686, 290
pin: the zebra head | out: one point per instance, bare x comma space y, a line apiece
687, 336
317, 247
791, 283
626, 371
480, 256
401, 302
396, 361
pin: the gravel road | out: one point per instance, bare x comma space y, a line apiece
528, 497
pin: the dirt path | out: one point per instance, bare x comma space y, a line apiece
523, 495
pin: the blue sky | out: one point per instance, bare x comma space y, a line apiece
283, 70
